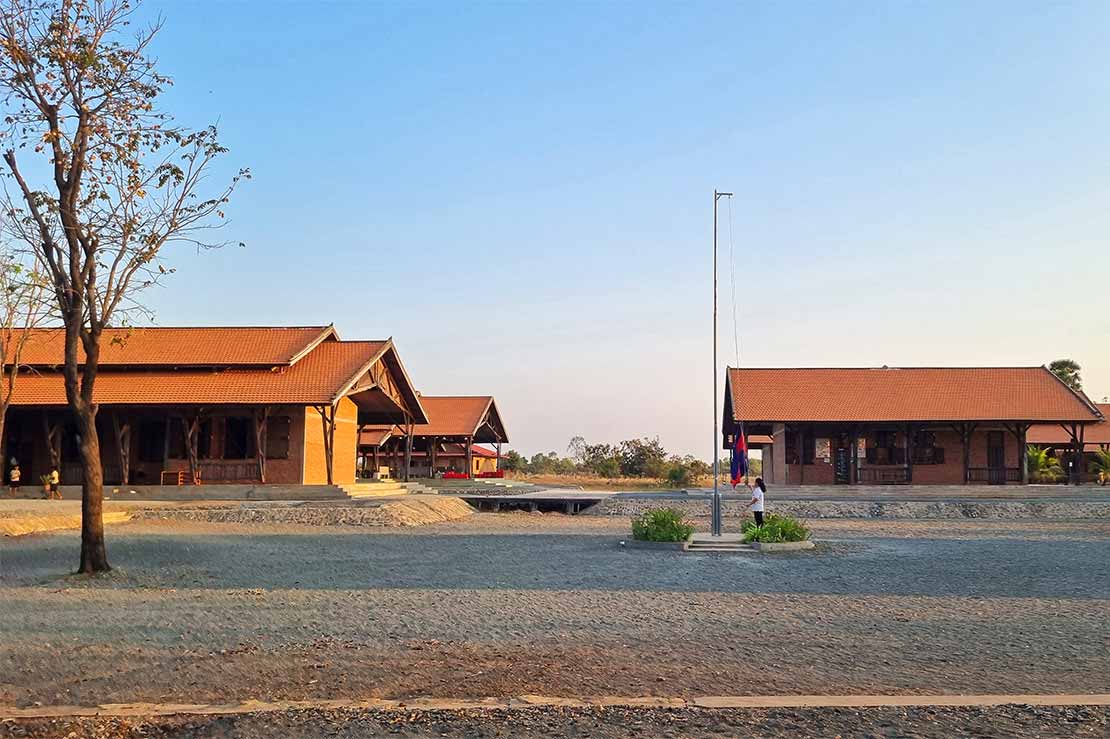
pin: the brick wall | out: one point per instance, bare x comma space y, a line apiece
346, 445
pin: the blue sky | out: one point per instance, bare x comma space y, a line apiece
520, 193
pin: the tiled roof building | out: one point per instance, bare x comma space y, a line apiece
228, 404
900, 425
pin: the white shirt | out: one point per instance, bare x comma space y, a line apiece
757, 496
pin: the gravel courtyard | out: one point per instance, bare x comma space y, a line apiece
511, 604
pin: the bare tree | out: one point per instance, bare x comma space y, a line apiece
114, 182
22, 309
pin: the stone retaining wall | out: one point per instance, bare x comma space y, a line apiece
699, 507
407, 513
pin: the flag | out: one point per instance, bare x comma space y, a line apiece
740, 458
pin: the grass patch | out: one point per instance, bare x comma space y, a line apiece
661, 524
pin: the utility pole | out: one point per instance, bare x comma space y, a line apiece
716, 518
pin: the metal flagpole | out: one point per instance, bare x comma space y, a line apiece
716, 518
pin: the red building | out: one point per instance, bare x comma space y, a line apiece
921, 425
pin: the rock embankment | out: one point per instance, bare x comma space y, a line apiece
399, 513
811, 509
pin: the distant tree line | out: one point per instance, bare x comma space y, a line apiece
631, 458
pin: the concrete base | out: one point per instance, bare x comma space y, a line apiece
668, 546
784, 546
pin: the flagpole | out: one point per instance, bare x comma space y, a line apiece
716, 517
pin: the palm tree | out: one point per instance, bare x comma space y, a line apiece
1042, 466
1100, 466
1068, 371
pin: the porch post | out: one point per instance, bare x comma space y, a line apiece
261, 418
470, 456
123, 446
377, 461
433, 444
408, 447
909, 453
191, 427
801, 455
497, 462
327, 419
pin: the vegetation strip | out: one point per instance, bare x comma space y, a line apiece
531, 701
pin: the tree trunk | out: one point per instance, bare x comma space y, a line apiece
94, 554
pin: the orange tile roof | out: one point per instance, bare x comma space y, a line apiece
375, 435
1096, 434
450, 415
904, 394
317, 378
185, 347
458, 415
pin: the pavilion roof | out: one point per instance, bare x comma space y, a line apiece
456, 416
1054, 434
890, 394
196, 346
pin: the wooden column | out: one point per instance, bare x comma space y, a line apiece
909, 430
377, 460
470, 456
190, 427
801, 455
408, 448
261, 418
327, 420
52, 433
433, 448
965, 430
123, 445
497, 462
1020, 430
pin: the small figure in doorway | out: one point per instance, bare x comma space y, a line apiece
756, 503
14, 476
55, 481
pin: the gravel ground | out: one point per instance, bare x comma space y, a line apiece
1006, 721
519, 603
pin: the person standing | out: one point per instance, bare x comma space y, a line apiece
14, 476
757, 500
55, 481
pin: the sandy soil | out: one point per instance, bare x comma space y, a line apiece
549, 604
910, 723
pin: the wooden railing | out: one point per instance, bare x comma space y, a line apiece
884, 475
214, 471
994, 475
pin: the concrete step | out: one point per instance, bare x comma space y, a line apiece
722, 543
416, 488
374, 489
720, 548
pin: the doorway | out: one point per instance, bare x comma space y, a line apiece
843, 466
996, 458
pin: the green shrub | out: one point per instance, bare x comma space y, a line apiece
661, 524
775, 530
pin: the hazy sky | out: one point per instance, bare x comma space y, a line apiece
520, 193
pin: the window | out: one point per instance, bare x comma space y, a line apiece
809, 450
152, 441
791, 447
238, 438
277, 437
